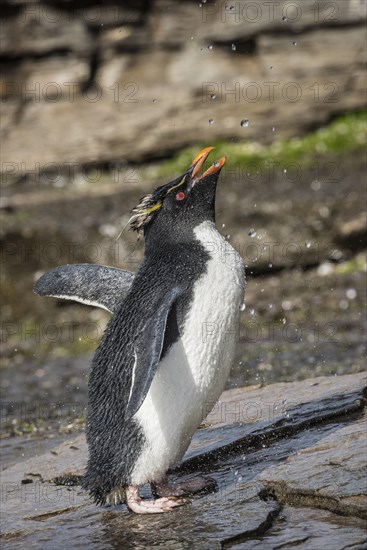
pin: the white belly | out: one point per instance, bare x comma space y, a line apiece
192, 375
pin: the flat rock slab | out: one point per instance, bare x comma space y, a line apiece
331, 474
268, 414
310, 445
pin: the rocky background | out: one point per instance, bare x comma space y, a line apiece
95, 97
103, 82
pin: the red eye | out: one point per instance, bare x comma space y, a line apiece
180, 196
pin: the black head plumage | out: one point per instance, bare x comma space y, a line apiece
189, 193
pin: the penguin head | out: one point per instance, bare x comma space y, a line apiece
181, 204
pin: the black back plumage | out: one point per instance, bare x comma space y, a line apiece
114, 440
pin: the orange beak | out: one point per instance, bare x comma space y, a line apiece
199, 160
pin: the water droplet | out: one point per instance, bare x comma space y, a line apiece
294, 43
324, 212
285, 171
216, 164
273, 129
252, 233
211, 121
223, 224
233, 47
243, 307
351, 293
308, 244
271, 67
251, 311
284, 18
154, 100
245, 123
324, 269
191, 38
210, 47
213, 96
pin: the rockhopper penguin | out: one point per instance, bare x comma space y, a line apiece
167, 350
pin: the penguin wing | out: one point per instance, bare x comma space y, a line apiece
148, 350
93, 285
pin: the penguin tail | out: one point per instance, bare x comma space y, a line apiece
101, 495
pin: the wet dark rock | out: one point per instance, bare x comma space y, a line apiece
280, 489
305, 285
354, 233
309, 529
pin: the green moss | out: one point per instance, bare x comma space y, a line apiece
18, 216
358, 263
346, 133
40, 427
77, 425
32, 335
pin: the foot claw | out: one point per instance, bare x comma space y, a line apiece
115, 497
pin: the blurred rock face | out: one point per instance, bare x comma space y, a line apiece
88, 82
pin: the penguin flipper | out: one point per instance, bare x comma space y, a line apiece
147, 352
90, 284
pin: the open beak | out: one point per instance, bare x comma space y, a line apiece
199, 160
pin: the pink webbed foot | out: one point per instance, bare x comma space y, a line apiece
154, 506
